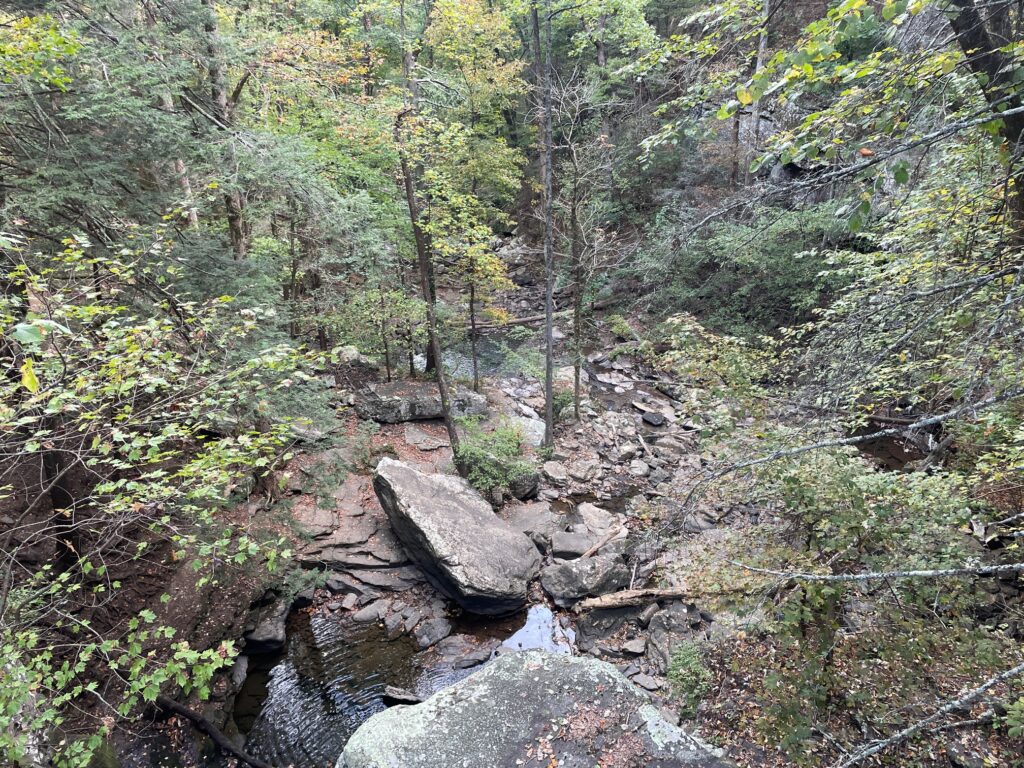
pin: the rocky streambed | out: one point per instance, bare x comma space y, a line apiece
430, 594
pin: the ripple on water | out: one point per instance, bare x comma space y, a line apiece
332, 677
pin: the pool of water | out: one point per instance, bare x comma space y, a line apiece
300, 708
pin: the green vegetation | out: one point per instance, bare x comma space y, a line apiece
811, 217
493, 459
690, 677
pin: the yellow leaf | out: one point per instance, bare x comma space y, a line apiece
745, 96
28, 376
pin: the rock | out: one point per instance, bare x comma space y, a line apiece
493, 717
667, 628
597, 520
394, 626
647, 614
525, 486
639, 468
350, 601
571, 545
394, 696
371, 612
465, 651
268, 635
401, 401
654, 418
555, 472
422, 440
647, 682
432, 631
350, 355
636, 646
573, 580
393, 579
468, 552
531, 429
537, 521
583, 470
626, 453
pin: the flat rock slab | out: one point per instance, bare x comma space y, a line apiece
583, 709
447, 528
401, 401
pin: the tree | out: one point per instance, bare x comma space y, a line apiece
124, 435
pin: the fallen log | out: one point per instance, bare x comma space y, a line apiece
629, 597
530, 319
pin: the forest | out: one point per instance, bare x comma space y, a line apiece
497, 383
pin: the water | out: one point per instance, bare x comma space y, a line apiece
301, 708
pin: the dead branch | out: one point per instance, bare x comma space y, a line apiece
793, 576
911, 730
204, 725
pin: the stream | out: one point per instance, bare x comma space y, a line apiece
299, 708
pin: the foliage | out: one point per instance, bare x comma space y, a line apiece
747, 278
690, 677
140, 433
494, 459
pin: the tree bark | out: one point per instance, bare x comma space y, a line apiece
423, 261
543, 62
233, 205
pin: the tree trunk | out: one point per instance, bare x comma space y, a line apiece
472, 335
423, 261
995, 71
427, 287
233, 205
755, 112
544, 67
577, 298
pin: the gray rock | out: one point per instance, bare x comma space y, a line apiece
636, 646
432, 631
583, 470
394, 696
647, 682
351, 601
555, 472
639, 468
495, 715
371, 612
525, 486
679, 621
654, 418
394, 626
589, 577
571, 545
531, 429
401, 401
268, 636
465, 651
468, 552
537, 521
417, 438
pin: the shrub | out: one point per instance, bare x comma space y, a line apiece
492, 459
690, 676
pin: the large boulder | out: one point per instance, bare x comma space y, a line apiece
467, 551
400, 401
582, 710
586, 577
